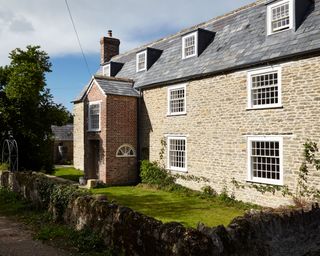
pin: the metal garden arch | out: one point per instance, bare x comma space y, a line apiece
10, 154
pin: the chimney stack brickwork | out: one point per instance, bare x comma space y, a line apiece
109, 48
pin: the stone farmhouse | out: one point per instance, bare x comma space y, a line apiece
234, 98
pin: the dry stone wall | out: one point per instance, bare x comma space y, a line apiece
268, 233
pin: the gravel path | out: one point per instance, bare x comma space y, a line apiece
16, 240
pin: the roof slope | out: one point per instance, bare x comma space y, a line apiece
241, 40
63, 132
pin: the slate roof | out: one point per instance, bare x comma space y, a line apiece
63, 133
241, 41
116, 87
111, 86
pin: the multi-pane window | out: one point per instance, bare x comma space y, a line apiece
106, 70
189, 45
177, 153
141, 61
280, 16
265, 159
94, 116
264, 88
126, 150
177, 100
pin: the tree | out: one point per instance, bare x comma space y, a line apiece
27, 108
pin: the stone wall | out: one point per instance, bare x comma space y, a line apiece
78, 134
218, 122
282, 233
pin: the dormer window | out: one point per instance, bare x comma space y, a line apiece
106, 70
190, 45
280, 16
141, 61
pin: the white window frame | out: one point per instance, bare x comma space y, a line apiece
250, 178
174, 87
195, 34
126, 156
269, 16
145, 61
108, 67
174, 168
262, 71
89, 116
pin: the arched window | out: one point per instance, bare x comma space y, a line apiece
126, 150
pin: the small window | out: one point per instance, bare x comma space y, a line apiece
190, 45
177, 100
141, 61
94, 116
265, 163
106, 70
177, 155
126, 150
280, 16
264, 88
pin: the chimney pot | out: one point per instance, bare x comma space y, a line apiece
109, 33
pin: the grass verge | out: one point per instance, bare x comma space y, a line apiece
82, 242
68, 173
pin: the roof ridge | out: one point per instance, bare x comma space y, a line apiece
183, 31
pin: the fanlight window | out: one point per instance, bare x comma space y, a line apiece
126, 151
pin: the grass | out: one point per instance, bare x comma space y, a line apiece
169, 206
68, 173
186, 208
84, 242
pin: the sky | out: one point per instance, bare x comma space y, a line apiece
134, 22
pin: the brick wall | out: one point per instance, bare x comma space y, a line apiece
118, 126
217, 122
121, 129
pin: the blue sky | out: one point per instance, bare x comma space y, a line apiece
134, 22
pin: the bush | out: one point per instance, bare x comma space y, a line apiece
4, 167
151, 173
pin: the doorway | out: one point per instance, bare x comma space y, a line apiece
94, 159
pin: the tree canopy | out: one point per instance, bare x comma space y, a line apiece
27, 109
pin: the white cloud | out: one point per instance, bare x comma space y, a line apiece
46, 22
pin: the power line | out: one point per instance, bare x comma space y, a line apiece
75, 30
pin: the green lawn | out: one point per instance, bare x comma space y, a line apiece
68, 173
168, 206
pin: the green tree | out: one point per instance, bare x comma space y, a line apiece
27, 108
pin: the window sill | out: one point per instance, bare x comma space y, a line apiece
265, 107
93, 130
177, 170
266, 182
177, 114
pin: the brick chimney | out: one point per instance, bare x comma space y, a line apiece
109, 47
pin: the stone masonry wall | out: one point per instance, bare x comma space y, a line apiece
217, 123
78, 133
282, 233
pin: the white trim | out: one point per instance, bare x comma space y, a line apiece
195, 34
124, 156
269, 16
103, 70
93, 81
172, 168
261, 71
145, 61
249, 170
89, 116
169, 89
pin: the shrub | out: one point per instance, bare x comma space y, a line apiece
152, 173
207, 190
4, 167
